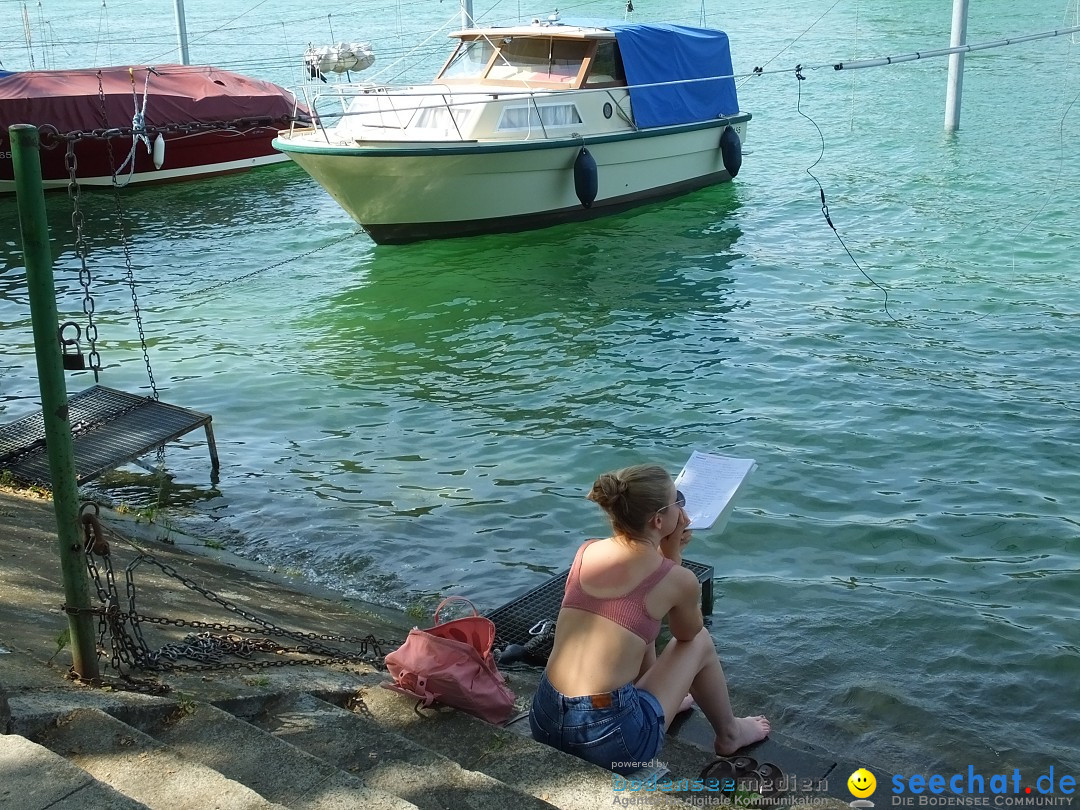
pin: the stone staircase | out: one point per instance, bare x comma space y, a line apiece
266, 735
363, 747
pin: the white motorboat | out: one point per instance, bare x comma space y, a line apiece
529, 126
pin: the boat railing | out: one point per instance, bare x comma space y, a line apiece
344, 108
394, 107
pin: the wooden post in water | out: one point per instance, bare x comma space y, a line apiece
956, 66
181, 32
41, 287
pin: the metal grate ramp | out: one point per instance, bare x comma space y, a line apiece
514, 619
108, 428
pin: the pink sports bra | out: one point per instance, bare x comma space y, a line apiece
627, 611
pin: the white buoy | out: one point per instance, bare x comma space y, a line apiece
159, 151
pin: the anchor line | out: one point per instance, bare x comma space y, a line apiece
825, 206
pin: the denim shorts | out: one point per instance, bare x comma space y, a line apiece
621, 730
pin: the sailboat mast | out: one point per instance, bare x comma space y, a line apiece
181, 32
466, 14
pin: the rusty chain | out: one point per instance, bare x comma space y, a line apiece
77, 221
51, 137
129, 272
208, 648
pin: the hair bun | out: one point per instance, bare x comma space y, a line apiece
608, 489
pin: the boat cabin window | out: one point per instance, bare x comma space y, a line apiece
531, 116
520, 59
443, 118
469, 61
606, 66
530, 59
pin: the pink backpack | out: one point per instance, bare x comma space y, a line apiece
452, 663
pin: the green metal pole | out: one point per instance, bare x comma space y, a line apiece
34, 226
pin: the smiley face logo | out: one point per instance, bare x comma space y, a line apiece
862, 783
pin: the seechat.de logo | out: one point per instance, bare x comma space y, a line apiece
862, 785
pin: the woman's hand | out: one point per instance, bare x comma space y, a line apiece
672, 545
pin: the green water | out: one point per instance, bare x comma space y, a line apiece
899, 581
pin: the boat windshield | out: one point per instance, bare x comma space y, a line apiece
530, 59
469, 61
526, 59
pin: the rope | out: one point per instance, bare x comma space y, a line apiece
824, 206
760, 71
138, 128
211, 31
800, 36
129, 272
911, 57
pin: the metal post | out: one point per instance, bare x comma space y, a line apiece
956, 66
466, 14
181, 32
34, 227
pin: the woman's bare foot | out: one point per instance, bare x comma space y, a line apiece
747, 730
686, 705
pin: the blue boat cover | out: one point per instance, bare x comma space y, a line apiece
654, 53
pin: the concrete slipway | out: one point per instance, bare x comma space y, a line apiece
309, 737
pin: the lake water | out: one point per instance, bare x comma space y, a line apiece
899, 581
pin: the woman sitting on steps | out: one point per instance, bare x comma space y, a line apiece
605, 696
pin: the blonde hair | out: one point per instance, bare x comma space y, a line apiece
631, 496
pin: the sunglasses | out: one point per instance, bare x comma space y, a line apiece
680, 501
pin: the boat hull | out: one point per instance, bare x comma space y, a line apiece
212, 122
409, 192
187, 156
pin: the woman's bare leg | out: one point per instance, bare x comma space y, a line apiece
693, 665
647, 663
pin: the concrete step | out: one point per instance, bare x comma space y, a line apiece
34, 778
144, 769
508, 754
273, 768
385, 760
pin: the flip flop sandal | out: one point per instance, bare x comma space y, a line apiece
744, 766
749, 783
719, 776
772, 780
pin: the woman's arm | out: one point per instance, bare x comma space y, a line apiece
673, 544
684, 618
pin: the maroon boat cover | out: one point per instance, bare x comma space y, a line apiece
177, 94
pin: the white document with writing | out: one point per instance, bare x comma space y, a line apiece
710, 482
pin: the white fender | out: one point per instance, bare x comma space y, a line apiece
159, 151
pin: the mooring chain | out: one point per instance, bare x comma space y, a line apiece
168, 570
281, 263
72, 163
51, 134
129, 273
130, 650
111, 619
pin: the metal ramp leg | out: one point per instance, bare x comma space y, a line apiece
109, 428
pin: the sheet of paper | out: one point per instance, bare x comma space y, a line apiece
710, 483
